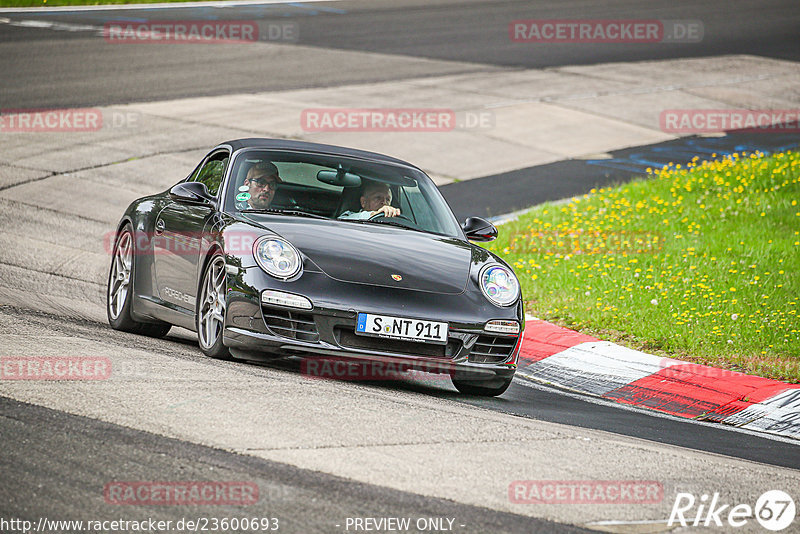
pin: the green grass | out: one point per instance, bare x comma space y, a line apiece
699, 263
56, 3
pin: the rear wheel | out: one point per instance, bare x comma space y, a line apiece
120, 290
481, 391
211, 309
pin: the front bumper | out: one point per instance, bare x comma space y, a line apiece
328, 330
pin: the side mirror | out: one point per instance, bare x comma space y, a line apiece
191, 193
478, 229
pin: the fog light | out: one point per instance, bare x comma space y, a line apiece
279, 298
502, 327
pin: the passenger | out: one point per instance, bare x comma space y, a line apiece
376, 198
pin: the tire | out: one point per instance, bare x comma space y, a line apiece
211, 308
481, 391
119, 289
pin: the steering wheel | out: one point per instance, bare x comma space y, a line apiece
398, 216
400, 220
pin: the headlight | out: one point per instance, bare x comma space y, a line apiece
277, 257
499, 285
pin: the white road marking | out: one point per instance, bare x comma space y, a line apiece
32, 23
59, 26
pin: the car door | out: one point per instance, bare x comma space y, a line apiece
178, 234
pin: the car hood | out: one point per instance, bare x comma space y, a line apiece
377, 254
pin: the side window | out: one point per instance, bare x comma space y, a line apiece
212, 172
414, 203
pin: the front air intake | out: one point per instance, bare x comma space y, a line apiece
290, 323
492, 349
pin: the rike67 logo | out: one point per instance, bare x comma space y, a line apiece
774, 510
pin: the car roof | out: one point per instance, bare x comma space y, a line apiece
304, 146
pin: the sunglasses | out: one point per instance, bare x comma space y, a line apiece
263, 183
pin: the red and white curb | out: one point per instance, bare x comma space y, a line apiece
568, 359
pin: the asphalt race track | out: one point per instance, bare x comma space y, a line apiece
319, 451
70, 69
311, 499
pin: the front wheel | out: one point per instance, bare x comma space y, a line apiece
469, 388
211, 309
119, 294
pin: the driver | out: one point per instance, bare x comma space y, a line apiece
376, 198
262, 180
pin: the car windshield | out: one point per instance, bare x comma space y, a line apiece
350, 190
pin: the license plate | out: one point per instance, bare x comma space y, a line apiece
401, 328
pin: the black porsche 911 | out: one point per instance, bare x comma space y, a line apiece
277, 248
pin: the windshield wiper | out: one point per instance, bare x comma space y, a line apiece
274, 211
